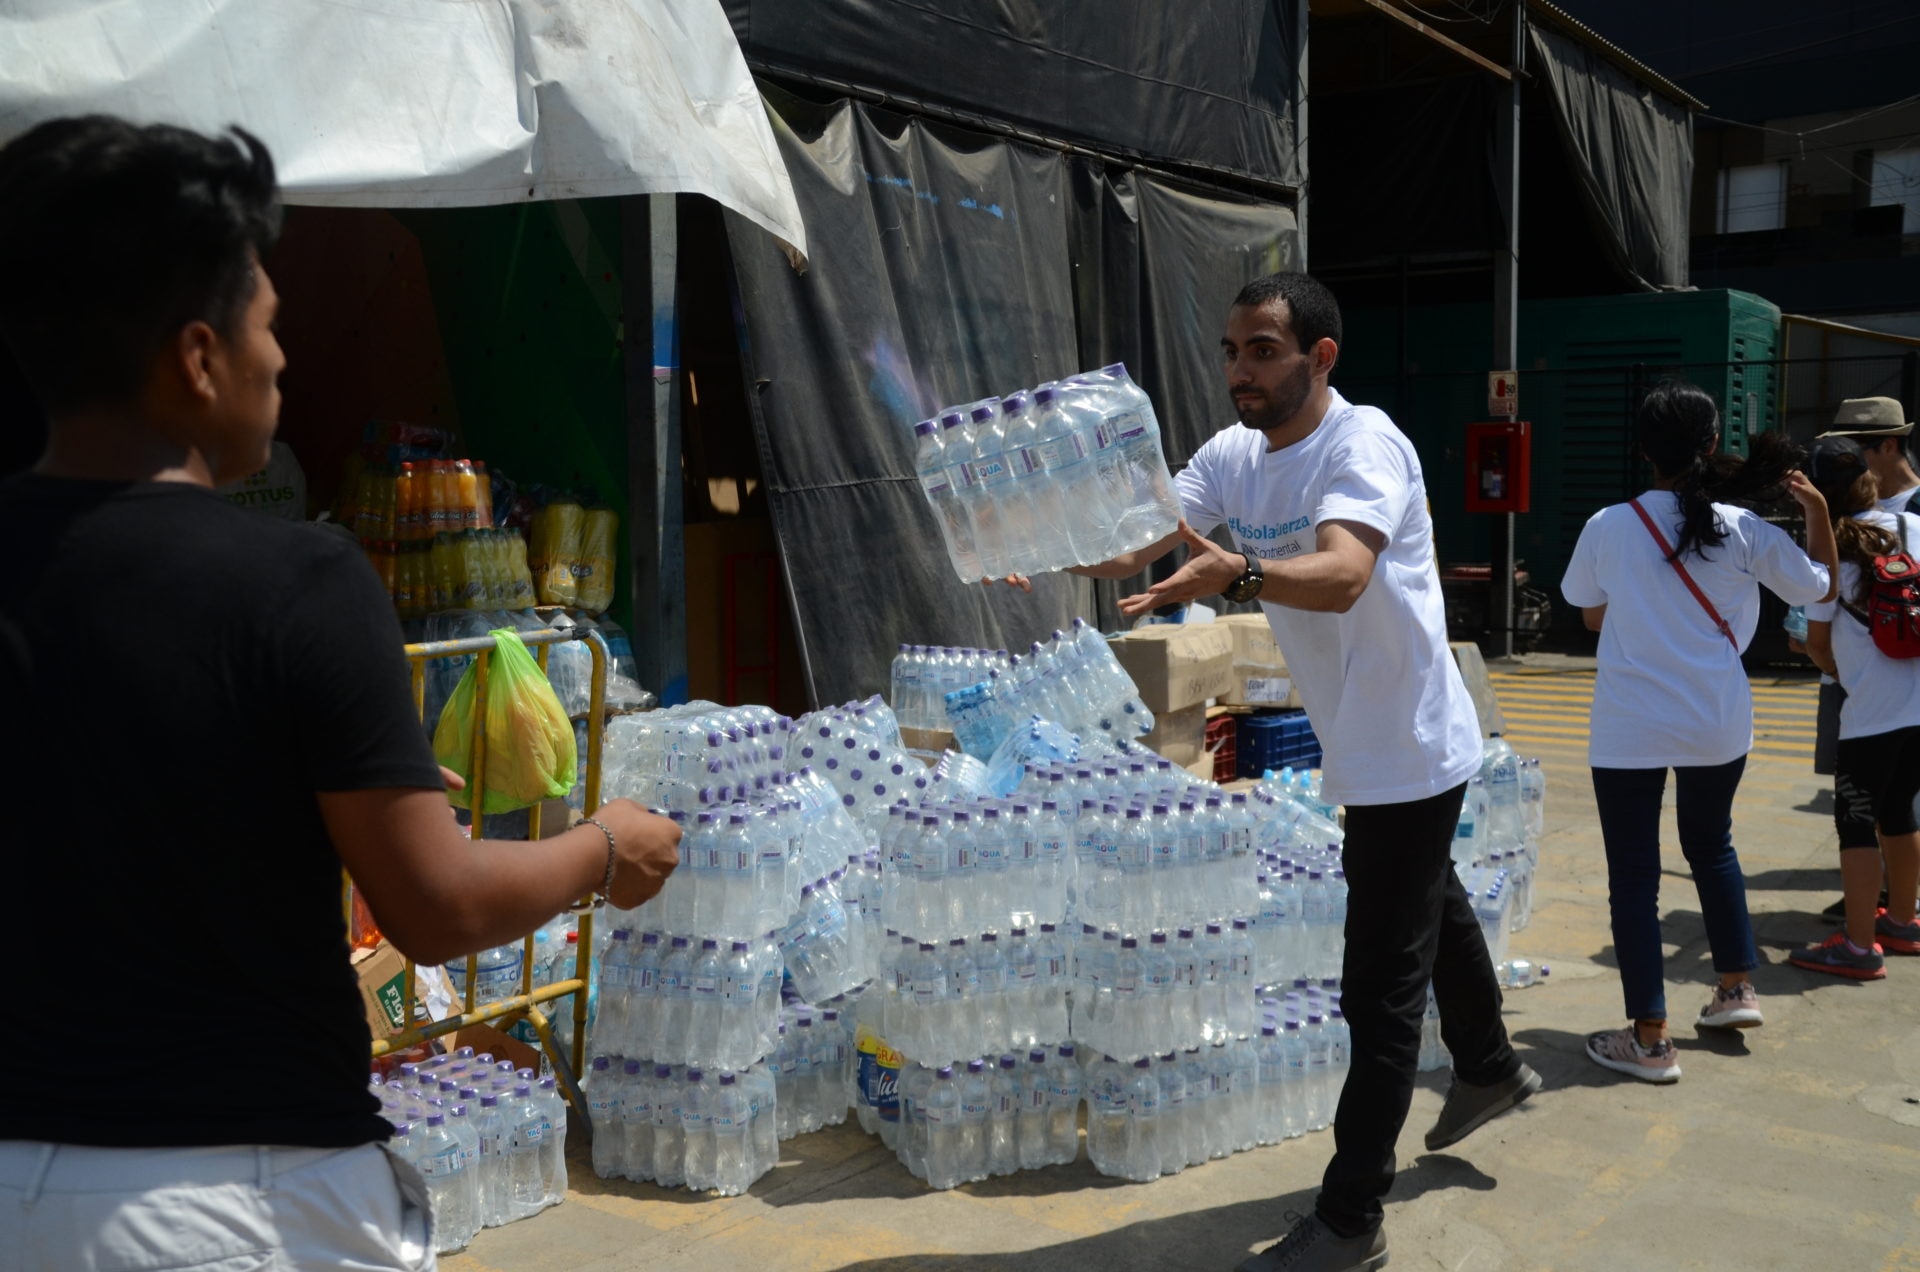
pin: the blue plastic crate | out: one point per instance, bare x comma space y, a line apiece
1274, 740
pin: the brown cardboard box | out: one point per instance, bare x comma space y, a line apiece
1259, 668
382, 972
1181, 736
1177, 665
933, 741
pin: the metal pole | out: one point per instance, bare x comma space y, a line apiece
656, 532
1506, 316
1300, 138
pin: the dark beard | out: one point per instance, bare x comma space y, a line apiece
1285, 403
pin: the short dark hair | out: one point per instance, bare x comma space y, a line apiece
113, 236
1312, 312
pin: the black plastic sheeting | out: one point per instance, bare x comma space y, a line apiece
946, 266
1632, 151
1207, 83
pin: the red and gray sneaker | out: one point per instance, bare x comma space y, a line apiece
1836, 958
1896, 938
1736, 1008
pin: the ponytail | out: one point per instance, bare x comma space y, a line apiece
1858, 541
1676, 426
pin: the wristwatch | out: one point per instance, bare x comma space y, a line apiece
1247, 586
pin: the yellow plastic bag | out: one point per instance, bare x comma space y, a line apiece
530, 747
593, 575
557, 529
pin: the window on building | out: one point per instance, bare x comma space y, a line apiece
1753, 198
1894, 176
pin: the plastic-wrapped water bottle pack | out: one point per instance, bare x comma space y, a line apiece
490, 1139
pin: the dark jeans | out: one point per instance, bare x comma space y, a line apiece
1408, 923
1629, 805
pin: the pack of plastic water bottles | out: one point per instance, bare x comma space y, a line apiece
1072, 679
490, 1140
1496, 853
1110, 906
1071, 473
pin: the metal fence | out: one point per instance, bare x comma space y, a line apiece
527, 1004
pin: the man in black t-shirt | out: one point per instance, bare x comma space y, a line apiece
207, 715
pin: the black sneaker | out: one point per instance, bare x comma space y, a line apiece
1311, 1246
1469, 1107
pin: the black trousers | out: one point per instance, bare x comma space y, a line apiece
1408, 923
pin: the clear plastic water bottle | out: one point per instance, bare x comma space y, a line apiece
1063, 1107
936, 471
438, 1154
605, 1099
945, 1154
496, 1172
697, 1131
1003, 1116
525, 1139
669, 1134
728, 1120
1032, 1131
630, 1129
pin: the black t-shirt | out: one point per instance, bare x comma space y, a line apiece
180, 677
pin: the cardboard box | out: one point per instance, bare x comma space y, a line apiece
382, 972
1181, 736
1177, 665
931, 741
1260, 671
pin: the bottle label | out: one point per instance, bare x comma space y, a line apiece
706, 984
1128, 425
526, 1134
994, 471
441, 1164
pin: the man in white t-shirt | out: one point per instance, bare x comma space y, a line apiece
1327, 505
1879, 426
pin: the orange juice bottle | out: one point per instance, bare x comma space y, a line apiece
449, 495
466, 494
483, 491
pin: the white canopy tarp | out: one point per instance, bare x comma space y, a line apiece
423, 103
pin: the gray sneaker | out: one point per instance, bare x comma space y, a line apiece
1469, 1107
1311, 1246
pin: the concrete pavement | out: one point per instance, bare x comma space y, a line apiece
1795, 1146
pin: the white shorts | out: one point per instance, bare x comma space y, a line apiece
65, 1208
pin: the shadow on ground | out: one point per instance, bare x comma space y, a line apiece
1217, 1238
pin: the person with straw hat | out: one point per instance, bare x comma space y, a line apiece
1880, 427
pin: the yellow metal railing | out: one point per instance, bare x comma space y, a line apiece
526, 1004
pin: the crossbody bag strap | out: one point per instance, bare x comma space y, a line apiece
1686, 578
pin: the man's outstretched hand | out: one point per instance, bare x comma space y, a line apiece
1209, 571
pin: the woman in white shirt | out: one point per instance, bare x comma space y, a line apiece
1669, 580
1877, 773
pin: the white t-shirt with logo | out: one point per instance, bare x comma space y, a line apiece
1378, 682
1670, 690
1883, 694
